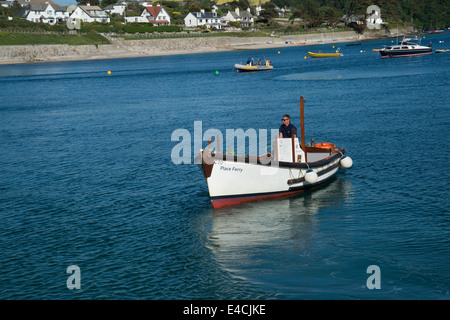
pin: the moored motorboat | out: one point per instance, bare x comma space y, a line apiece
442, 50
319, 54
251, 65
291, 169
407, 47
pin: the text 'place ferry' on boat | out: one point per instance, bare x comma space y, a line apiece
407, 47
291, 169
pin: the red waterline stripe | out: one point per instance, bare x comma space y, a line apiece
407, 55
219, 203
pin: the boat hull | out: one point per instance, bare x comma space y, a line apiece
233, 180
404, 53
249, 68
324, 55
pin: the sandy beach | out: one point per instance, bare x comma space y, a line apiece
120, 48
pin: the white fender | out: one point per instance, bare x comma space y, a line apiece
311, 176
346, 162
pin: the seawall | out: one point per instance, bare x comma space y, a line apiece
120, 48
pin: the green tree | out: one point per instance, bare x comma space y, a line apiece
92, 2
241, 4
309, 11
15, 8
106, 3
268, 12
294, 15
329, 15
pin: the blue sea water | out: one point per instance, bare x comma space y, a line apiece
87, 178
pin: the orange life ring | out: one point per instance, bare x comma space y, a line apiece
325, 145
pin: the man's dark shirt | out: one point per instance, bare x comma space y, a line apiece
288, 131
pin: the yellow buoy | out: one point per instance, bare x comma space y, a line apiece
109, 72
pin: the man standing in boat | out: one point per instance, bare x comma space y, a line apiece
287, 129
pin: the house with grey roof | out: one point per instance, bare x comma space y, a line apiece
90, 14
46, 12
202, 18
244, 17
116, 8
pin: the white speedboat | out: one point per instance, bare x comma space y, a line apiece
407, 47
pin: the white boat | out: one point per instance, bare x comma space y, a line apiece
291, 169
250, 66
407, 47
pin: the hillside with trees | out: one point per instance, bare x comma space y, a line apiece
300, 15
423, 14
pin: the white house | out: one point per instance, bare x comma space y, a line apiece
116, 8
90, 14
153, 14
47, 12
202, 18
244, 17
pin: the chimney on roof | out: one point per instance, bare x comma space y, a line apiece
237, 11
88, 4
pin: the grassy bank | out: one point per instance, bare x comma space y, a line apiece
31, 38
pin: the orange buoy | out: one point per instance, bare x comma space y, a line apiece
324, 145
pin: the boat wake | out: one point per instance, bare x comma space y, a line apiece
345, 75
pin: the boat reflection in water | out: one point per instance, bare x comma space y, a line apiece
256, 237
